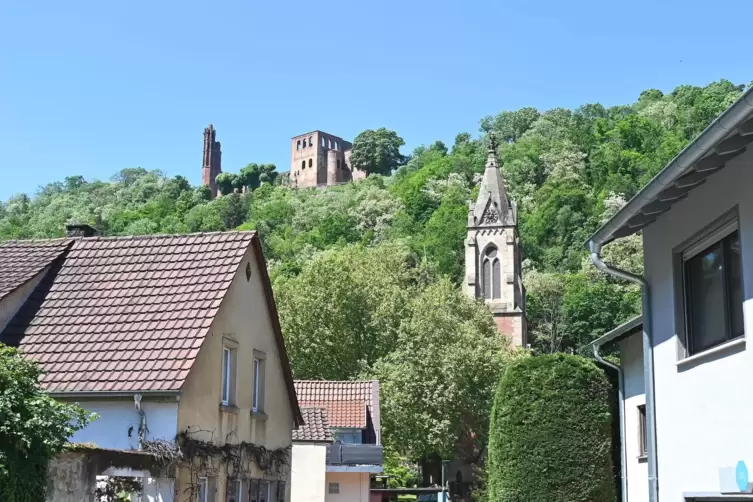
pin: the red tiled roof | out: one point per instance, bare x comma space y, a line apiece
346, 402
20, 261
350, 414
130, 313
315, 427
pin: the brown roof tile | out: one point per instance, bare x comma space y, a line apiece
20, 261
75, 321
346, 402
315, 427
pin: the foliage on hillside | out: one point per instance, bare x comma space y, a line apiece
546, 448
347, 262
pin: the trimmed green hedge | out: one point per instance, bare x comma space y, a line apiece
551, 433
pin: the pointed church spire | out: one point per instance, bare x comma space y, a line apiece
493, 206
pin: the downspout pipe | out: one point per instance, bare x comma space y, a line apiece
648, 365
621, 413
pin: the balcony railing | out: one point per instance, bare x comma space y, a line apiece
354, 454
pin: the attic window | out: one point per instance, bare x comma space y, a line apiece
248, 272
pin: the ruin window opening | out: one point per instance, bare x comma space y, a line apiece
310, 163
298, 145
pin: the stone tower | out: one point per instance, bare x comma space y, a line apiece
212, 165
320, 159
492, 253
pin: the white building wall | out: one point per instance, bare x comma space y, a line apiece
110, 430
308, 473
631, 357
703, 410
354, 486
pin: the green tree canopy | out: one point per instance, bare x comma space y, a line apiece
377, 151
437, 385
33, 428
343, 311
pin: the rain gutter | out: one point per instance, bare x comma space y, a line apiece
648, 368
732, 118
596, 345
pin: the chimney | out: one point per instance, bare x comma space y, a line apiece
80, 230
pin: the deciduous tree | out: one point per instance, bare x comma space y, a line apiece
377, 151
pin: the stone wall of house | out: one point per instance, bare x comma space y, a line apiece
71, 479
72, 475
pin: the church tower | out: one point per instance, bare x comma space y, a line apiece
212, 161
492, 253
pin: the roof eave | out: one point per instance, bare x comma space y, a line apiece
622, 331
719, 129
111, 394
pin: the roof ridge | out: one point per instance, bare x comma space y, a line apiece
163, 236
126, 237
50, 240
335, 381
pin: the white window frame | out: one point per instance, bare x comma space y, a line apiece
355, 434
718, 233
256, 395
203, 483
227, 361
239, 494
333, 488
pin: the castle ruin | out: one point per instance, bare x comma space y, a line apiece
212, 164
321, 159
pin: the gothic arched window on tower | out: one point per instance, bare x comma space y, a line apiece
310, 163
298, 145
303, 164
491, 274
311, 141
304, 143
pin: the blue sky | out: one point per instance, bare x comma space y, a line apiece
89, 86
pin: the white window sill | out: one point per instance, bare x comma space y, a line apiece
229, 408
695, 358
259, 415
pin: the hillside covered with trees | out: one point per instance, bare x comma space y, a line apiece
366, 274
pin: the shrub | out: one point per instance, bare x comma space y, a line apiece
33, 428
551, 431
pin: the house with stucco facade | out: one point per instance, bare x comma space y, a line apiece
685, 364
338, 449
162, 337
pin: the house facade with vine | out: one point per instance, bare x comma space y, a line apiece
174, 342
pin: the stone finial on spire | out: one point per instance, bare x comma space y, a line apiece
491, 158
